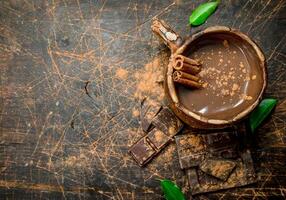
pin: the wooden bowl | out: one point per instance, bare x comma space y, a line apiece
180, 47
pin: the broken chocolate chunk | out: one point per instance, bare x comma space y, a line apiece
240, 176
193, 178
149, 146
165, 126
191, 150
223, 144
142, 151
167, 122
149, 109
193, 147
218, 168
158, 138
206, 179
248, 163
206, 183
203, 155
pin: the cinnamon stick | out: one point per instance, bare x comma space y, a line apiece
180, 74
180, 65
188, 60
186, 82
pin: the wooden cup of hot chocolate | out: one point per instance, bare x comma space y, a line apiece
233, 72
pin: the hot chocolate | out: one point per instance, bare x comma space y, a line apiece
231, 75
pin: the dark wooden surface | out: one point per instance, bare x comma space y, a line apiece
69, 96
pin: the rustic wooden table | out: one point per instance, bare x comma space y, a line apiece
72, 75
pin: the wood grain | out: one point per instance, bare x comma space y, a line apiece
59, 141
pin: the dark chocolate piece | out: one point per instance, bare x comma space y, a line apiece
167, 122
223, 144
218, 168
149, 146
191, 150
248, 163
142, 151
240, 176
158, 138
206, 179
201, 154
149, 109
193, 178
165, 127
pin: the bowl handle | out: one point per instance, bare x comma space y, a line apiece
170, 37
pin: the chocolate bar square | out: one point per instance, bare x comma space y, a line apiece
165, 126
167, 122
223, 144
191, 150
149, 109
158, 138
142, 151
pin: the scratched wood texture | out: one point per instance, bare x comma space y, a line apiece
68, 104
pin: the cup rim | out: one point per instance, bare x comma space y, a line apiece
171, 86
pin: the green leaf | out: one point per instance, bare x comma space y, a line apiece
171, 190
260, 113
202, 12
